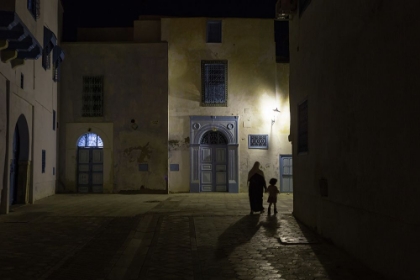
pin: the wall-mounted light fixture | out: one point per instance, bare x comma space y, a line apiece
273, 120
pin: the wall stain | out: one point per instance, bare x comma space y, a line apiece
179, 144
141, 153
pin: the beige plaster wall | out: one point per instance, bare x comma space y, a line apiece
253, 91
36, 102
135, 88
356, 63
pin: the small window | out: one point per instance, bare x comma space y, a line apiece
258, 141
54, 119
43, 160
214, 83
93, 87
214, 31
303, 127
34, 8
22, 81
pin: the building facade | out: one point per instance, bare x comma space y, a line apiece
189, 104
353, 99
29, 72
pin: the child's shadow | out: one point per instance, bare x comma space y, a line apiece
270, 225
237, 234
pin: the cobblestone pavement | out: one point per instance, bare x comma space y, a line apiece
177, 236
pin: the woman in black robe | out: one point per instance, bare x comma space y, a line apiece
256, 187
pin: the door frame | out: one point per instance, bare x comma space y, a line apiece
281, 170
228, 125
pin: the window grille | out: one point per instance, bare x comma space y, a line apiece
46, 59
214, 83
258, 141
90, 140
303, 127
93, 96
56, 73
214, 31
214, 138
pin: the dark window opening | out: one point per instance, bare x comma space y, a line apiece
214, 31
303, 127
214, 83
54, 117
22, 81
43, 161
282, 41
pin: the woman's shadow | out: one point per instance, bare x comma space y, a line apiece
237, 234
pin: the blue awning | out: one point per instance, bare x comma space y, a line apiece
19, 38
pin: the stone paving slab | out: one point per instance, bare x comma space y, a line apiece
184, 236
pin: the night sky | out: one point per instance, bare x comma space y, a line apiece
122, 13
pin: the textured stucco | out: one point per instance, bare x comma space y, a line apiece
35, 104
135, 88
355, 63
256, 86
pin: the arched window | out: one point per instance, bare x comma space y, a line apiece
214, 138
90, 140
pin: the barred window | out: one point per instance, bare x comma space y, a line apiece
214, 77
93, 87
303, 127
214, 31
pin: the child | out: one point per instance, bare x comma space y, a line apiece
272, 195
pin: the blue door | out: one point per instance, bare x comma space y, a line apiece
213, 162
286, 173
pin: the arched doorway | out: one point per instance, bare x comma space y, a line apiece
214, 154
213, 165
90, 163
19, 167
